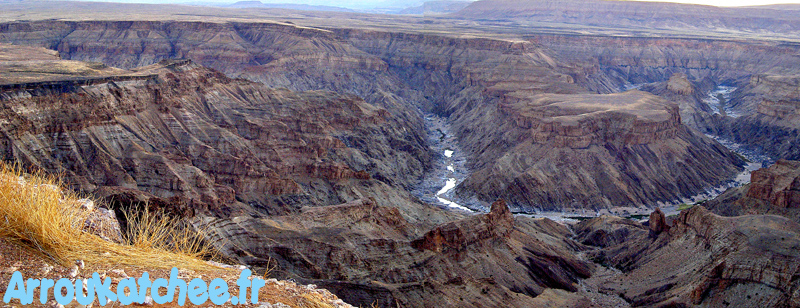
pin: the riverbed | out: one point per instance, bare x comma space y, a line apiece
449, 169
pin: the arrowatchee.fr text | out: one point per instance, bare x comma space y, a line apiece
131, 290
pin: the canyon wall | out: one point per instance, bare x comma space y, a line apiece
406, 73
701, 259
179, 130
774, 190
633, 16
369, 254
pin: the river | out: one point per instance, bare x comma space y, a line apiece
717, 99
449, 169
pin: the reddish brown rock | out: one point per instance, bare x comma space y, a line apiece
367, 253
709, 260
774, 190
779, 184
657, 223
458, 235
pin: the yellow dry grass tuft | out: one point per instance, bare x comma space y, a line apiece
35, 213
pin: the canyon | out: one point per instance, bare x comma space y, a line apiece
386, 158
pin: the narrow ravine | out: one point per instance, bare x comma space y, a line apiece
718, 100
448, 171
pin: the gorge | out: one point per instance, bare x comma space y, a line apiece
386, 158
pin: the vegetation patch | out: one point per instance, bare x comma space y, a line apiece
35, 213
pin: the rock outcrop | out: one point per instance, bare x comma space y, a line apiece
592, 151
769, 109
707, 260
606, 231
774, 190
466, 78
367, 253
208, 143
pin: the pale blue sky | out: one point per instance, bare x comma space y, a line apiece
362, 4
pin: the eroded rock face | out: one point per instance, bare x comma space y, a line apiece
586, 150
466, 78
770, 113
606, 231
366, 252
710, 261
657, 223
178, 130
774, 190
779, 184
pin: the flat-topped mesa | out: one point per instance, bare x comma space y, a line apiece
595, 151
581, 120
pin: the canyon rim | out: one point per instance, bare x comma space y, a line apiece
496, 153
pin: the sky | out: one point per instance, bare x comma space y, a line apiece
730, 2
361, 4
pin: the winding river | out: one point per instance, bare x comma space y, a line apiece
449, 169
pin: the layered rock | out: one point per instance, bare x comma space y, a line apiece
178, 130
637, 15
709, 261
368, 253
593, 151
466, 78
769, 105
606, 231
653, 59
774, 190
765, 101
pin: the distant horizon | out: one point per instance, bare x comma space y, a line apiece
373, 4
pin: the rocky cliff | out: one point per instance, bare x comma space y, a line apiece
705, 260
465, 78
368, 253
299, 180
179, 130
774, 190
768, 106
632, 145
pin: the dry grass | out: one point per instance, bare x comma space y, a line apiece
35, 213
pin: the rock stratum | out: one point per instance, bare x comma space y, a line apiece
296, 146
368, 254
465, 78
556, 141
774, 190
701, 260
277, 177
208, 143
